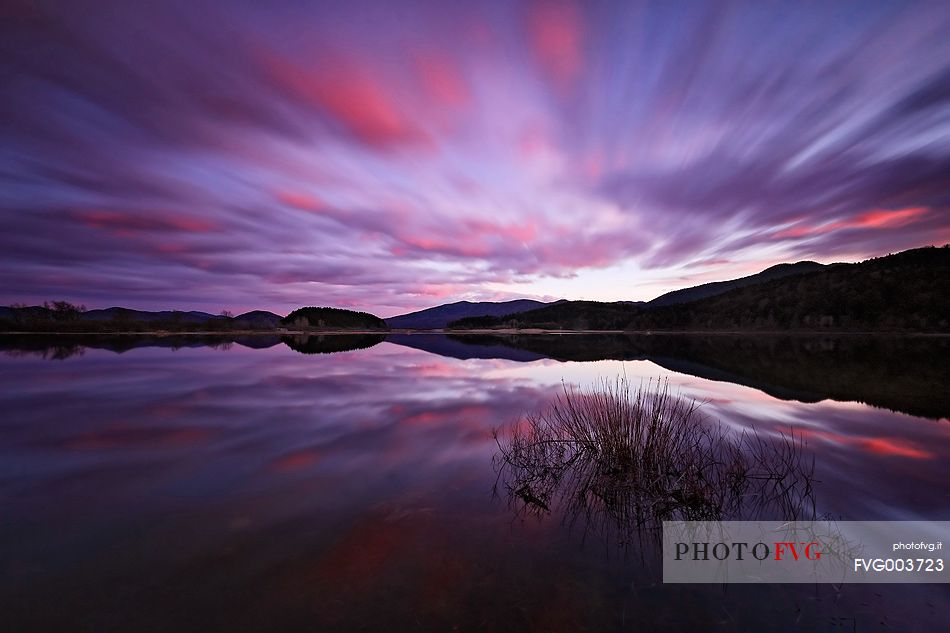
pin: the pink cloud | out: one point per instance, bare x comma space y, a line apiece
125, 222
301, 201
352, 95
877, 219
435, 290
442, 81
556, 33
886, 219
521, 232
446, 247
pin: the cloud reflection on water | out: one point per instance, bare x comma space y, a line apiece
314, 486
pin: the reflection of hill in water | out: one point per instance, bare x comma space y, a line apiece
907, 374
462, 347
901, 373
62, 346
330, 343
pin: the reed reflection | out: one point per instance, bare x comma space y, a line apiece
620, 460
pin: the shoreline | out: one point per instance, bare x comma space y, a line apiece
200, 333
703, 332
496, 332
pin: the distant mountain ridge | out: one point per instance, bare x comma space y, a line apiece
253, 319
144, 316
43, 318
907, 291
714, 288
440, 316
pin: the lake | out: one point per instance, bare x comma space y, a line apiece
354, 483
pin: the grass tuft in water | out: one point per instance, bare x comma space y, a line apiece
631, 458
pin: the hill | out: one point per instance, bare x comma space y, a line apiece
311, 318
440, 316
906, 291
714, 288
64, 317
480, 319
257, 319
141, 316
569, 315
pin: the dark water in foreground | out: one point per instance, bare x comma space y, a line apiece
206, 485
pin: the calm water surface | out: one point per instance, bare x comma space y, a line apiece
201, 485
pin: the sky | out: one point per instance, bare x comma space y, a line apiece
390, 156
